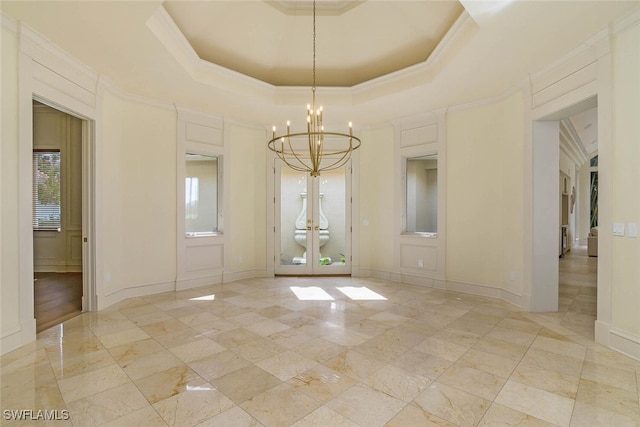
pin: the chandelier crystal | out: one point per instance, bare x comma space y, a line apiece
315, 150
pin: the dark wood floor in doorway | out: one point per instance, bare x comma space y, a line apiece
57, 297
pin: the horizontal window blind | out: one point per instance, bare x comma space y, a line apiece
46, 190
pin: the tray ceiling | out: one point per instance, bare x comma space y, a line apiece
356, 41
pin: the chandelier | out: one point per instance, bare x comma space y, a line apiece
305, 151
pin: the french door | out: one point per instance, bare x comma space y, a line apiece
312, 221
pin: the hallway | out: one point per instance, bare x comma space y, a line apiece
577, 303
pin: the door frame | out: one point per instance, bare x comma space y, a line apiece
89, 297
313, 187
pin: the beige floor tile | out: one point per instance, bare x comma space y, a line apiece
556, 362
587, 414
286, 365
193, 407
170, 382
106, 406
259, 349
323, 417
321, 383
355, 364
461, 338
474, 381
234, 417
511, 336
280, 406
499, 415
320, 349
397, 383
414, 415
536, 402
196, 349
453, 405
610, 398
165, 327
32, 394
92, 382
492, 363
291, 338
150, 364
617, 377
123, 337
420, 363
441, 348
346, 337
383, 347
562, 347
551, 381
146, 417
379, 409
125, 353
501, 348
219, 364
245, 383
267, 327
236, 337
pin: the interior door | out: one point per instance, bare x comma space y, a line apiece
313, 222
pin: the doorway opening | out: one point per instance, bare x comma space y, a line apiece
312, 222
58, 215
578, 266
567, 190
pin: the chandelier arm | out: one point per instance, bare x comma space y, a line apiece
296, 156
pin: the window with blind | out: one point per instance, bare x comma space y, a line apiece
46, 190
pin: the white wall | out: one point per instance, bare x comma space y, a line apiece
9, 238
376, 193
138, 196
484, 195
246, 217
625, 176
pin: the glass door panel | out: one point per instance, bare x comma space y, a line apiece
332, 219
313, 230
295, 221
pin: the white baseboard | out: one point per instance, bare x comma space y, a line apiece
521, 301
18, 336
114, 297
233, 276
617, 339
182, 284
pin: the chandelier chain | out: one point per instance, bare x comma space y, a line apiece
313, 88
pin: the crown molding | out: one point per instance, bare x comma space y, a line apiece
165, 29
8, 23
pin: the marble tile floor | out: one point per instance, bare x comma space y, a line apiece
577, 299
253, 353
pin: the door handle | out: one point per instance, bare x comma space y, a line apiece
308, 228
317, 227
